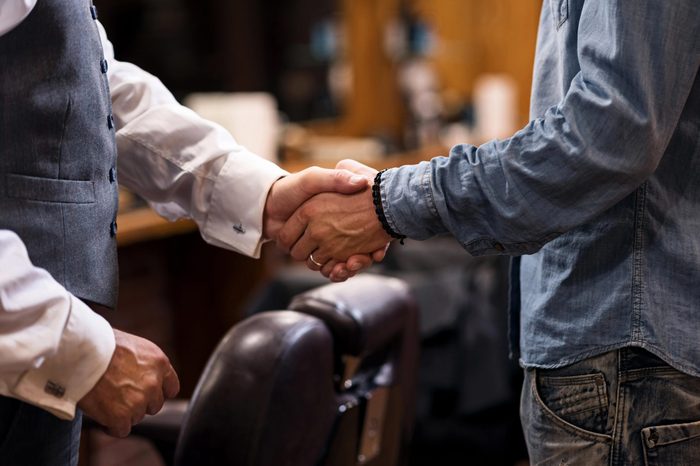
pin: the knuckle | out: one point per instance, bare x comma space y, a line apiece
320, 233
306, 212
139, 401
284, 239
298, 255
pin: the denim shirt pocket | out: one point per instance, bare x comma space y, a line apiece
560, 12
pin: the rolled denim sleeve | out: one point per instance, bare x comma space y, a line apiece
638, 62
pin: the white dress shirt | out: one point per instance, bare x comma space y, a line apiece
186, 167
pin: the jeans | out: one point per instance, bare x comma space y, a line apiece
33, 437
625, 407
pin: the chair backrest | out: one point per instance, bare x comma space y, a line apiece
330, 382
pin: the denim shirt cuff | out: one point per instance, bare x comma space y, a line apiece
408, 201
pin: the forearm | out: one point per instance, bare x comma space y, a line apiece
582, 156
53, 348
184, 165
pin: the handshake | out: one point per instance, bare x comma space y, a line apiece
324, 217
327, 218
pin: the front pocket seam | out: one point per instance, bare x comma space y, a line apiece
670, 442
575, 430
562, 381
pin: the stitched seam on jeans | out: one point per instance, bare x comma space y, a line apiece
671, 442
637, 260
564, 380
572, 429
635, 374
615, 448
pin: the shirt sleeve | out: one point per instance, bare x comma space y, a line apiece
44, 332
638, 62
184, 165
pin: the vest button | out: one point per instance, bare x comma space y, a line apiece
112, 175
499, 247
113, 229
104, 66
110, 121
93, 11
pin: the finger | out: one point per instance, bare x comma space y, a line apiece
317, 180
156, 403
358, 262
137, 416
339, 270
356, 167
305, 247
171, 383
379, 254
313, 263
292, 231
328, 268
340, 273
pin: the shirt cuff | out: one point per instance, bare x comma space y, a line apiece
83, 354
235, 218
409, 202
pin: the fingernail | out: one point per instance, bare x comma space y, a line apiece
355, 267
342, 274
357, 179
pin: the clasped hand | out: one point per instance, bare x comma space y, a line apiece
327, 216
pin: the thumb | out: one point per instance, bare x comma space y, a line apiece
356, 167
348, 182
316, 180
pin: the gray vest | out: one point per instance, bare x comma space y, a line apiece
58, 187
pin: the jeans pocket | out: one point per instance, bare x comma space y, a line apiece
580, 400
560, 12
676, 444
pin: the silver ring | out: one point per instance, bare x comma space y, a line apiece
313, 261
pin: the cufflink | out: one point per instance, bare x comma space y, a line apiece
54, 389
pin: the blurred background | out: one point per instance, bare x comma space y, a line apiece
309, 82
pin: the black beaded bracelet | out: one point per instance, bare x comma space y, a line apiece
379, 209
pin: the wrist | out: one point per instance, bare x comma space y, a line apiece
379, 209
270, 223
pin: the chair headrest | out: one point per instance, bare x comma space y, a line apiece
364, 313
268, 375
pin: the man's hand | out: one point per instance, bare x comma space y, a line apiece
334, 227
138, 380
289, 193
339, 271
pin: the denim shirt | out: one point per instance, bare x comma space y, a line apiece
600, 192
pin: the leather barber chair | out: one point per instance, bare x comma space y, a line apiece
329, 382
